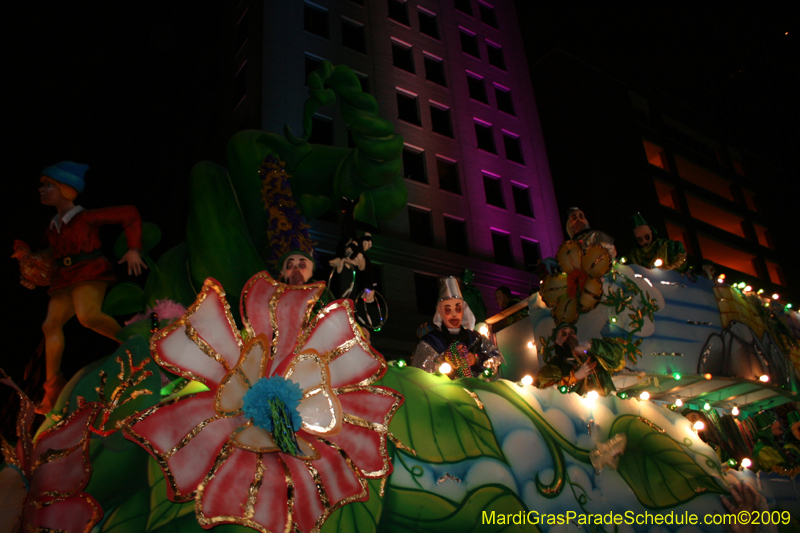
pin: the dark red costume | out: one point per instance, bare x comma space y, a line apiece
80, 236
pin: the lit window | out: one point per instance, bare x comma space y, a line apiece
775, 273
667, 196
750, 200
469, 43
315, 20
419, 225
676, 232
485, 136
434, 70
353, 36
513, 148
408, 108
522, 199
403, 56
414, 164
504, 102
764, 237
398, 11
448, 175
727, 256
455, 230
655, 155
717, 217
494, 190
703, 178
440, 120
428, 24
495, 53
477, 89
502, 248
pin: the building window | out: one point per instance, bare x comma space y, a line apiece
485, 135
488, 15
727, 256
750, 200
504, 102
414, 164
419, 225
655, 155
428, 24
522, 199
495, 53
531, 253
502, 248
703, 178
477, 89
667, 195
402, 56
398, 11
448, 175
763, 236
494, 190
455, 230
315, 20
364, 79
408, 108
427, 290
353, 36
241, 30
465, 6
440, 120
434, 70
240, 85
717, 217
321, 130
775, 273
513, 148
469, 43
311, 64
676, 232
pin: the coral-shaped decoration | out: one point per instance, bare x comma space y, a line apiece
42, 485
291, 426
579, 286
37, 268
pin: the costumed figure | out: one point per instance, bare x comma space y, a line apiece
472, 295
655, 252
81, 274
766, 453
504, 300
791, 450
581, 367
292, 249
708, 433
453, 340
578, 230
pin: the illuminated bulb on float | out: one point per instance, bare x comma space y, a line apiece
707, 376
720, 280
530, 345
760, 291
699, 426
563, 389
622, 395
445, 368
731, 462
623, 259
735, 411
592, 395
775, 296
676, 376
658, 263
644, 396
527, 379
764, 378
400, 363
746, 462
748, 288
679, 402
483, 329
706, 406
788, 306
614, 319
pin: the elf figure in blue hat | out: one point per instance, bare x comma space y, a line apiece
82, 274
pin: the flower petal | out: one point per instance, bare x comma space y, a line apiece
248, 489
252, 365
553, 288
185, 436
367, 448
72, 515
254, 439
13, 494
308, 371
306, 505
569, 256
596, 261
566, 310
203, 344
592, 292
255, 304
374, 404
321, 413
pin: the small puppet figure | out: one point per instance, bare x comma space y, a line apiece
82, 274
504, 300
655, 252
453, 339
766, 453
351, 263
578, 230
581, 367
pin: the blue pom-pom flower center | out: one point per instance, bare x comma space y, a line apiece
272, 405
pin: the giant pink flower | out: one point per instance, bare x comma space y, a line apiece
233, 465
42, 485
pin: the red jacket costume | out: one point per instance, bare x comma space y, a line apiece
80, 235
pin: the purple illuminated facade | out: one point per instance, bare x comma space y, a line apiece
453, 77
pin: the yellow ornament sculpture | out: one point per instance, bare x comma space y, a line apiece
579, 286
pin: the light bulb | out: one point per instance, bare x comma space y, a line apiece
530, 345
644, 395
776, 296
735, 411
746, 462
445, 368
764, 378
527, 379
592, 395
706, 406
679, 402
699, 425
658, 263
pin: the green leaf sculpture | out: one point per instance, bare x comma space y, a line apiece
125, 298
657, 468
358, 517
453, 427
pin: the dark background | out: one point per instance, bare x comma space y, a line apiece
133, 91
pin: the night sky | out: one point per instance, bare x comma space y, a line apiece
132, 91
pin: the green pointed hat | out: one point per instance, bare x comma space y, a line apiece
638, 220
764, 419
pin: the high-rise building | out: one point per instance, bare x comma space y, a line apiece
452, 76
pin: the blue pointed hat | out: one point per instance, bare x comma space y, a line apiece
69, 173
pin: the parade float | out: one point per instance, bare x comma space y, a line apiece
236, 403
